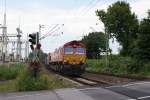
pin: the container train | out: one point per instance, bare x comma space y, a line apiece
69, 59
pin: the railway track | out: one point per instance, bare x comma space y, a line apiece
95, 79
111, 79
91, 79
80, 81
85, 82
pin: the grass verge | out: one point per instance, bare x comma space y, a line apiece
10, 71
118, 65
23, 81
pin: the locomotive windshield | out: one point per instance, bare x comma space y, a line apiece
68, 50
79, 50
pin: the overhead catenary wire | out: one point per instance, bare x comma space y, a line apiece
94, 5
50, 33
89, 6
84, 9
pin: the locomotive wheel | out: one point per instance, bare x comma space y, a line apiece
57, 68
61, 68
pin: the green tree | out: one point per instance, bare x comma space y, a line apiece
120, 23
95, 44
143, 43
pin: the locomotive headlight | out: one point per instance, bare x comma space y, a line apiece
81, 60
65, 61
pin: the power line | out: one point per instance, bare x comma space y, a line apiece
84, 9
89, 6
52, 31
94, 4
54, 27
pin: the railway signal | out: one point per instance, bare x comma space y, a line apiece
32, 38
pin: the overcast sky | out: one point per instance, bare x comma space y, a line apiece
78, 16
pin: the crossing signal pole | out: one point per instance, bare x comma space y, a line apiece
35, 47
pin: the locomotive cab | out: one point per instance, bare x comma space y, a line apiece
74, 58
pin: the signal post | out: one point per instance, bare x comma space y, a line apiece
35, 47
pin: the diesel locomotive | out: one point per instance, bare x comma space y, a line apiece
69, 59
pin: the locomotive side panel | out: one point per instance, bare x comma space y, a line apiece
57, 56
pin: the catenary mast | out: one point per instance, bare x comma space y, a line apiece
4, 36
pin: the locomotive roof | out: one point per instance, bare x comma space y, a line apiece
74, 42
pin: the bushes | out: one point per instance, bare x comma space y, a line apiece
8, 72
22, 79
27, 83
146, 69
96, 65
123, 65
119, 66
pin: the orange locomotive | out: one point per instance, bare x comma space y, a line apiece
69, 59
